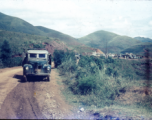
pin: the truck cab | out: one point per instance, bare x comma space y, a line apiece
37, 63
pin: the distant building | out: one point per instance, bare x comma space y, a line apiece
98, 52
111, 55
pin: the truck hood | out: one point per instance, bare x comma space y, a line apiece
37, 63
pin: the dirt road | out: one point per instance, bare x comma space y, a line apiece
35, 99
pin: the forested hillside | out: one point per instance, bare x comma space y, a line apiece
143, 39
107, 41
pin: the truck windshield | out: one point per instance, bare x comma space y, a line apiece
41, 55
33, 55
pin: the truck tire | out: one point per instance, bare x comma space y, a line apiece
25, 78
48, 78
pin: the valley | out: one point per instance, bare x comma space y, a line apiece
87, 87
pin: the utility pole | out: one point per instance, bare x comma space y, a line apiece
106, 49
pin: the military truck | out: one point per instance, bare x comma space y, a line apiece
36, 63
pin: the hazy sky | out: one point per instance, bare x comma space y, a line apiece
81, 17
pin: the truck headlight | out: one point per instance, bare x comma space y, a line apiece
48, 68
26, 68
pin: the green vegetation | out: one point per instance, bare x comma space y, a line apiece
143, 39
17, 25
93, 81
9, 23
139, 49
5, 53
6, 56
58, 35
19, 42
99, 81
23, 35
102, 39
61, 56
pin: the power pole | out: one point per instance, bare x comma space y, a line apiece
106, 49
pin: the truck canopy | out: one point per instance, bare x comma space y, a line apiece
38, 51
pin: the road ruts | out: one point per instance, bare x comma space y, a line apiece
21, 104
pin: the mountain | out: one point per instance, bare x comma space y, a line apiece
143, 39
108, 41
55, 34
23, 35
20, 42
14, 24
139, 49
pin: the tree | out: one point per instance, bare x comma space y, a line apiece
59, 56
5, 53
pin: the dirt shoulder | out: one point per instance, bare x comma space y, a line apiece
7, 82
51, 100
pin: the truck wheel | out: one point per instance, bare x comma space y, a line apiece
25, 78
48, 78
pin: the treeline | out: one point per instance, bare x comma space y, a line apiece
10, 54
6, 59
96, 81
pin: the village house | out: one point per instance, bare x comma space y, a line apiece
98, 52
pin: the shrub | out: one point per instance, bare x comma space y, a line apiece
109, 60
87, 84
1, 63
109, 71
84, 61
59, 57
5, 53
115, 74
16, 61
68, 66
99, 63
38, 46
91, 83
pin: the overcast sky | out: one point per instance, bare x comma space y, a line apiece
78, 18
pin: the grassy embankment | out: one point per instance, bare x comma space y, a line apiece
99, 83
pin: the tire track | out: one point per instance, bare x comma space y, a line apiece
20, 103
35, 99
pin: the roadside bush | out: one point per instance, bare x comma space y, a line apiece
115, 74
12, 62
68, 66
1, 63
146, 102
38, 45
60, 56
109, 71
81, 73
6, 53
87, 84
98, 62
91, 82
16, 61
109, 60
84, 61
